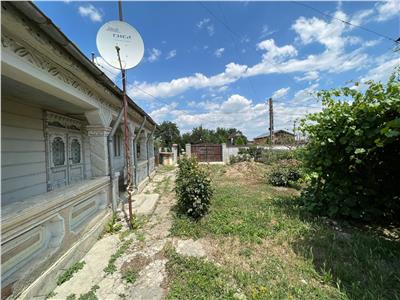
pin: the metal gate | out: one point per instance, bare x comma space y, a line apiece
207, 152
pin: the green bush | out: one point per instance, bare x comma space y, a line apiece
354, 153
284, 173
253, 151
193, 188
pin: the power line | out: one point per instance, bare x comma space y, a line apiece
248, 79
345, 22
238, 37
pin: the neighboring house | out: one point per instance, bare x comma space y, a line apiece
57, 113
281, 137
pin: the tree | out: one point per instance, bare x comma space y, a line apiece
168, 133
200, 135
353, 152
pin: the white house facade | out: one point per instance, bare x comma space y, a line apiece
62, 151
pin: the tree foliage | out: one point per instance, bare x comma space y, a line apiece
168, 133
220, 135
354, 152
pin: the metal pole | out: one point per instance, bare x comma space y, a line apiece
271, 121
126, 136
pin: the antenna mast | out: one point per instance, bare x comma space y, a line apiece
129, 186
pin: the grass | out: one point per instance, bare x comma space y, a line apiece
130, 276
163, 186
91, 295
267, 248
111, 268
69, 273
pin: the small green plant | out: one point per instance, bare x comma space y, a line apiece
71, 297
67, 275
111, 268
50, 295
91, 295
245, 252
130, 276
193, 188
284, 173
112, 226
140, 237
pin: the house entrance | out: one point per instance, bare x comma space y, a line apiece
65, 151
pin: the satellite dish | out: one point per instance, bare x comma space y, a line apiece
120, 34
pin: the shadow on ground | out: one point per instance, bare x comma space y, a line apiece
362, 264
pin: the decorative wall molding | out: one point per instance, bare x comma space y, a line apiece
45, 64
96, 130
57, 120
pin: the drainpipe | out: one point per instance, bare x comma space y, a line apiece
134, 149
147, 148
111, 151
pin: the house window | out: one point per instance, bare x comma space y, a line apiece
75, 151
117, 145
138, 150
58, 150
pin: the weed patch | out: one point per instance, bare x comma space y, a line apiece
67, 275
111, 268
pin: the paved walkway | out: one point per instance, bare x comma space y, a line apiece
143, 260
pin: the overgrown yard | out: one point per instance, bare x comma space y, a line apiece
262, 246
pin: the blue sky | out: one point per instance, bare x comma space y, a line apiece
216, 63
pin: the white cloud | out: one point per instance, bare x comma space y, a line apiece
154, 55
382, 71
266, 32
206, 23
171, 54
202, 23
236, 111
219, 52
308, 76
210, 30
111, 72
92, 12
274, 52
235, 103
361, 16
388, 10
276, 59
281, 93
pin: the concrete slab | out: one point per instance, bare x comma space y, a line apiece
144, 204
190, 248
92, 273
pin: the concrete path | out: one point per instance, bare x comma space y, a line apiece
140, 270
142, 262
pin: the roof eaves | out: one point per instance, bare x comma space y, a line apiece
32, 12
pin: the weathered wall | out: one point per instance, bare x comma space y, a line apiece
22, 152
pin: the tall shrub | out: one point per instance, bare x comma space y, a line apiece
354, 152
193, 188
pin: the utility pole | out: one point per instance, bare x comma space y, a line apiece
126, 129
271, 121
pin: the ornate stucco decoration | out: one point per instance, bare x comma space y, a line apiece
43, 63
57, 120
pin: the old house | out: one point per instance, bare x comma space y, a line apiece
280, 137
62, 150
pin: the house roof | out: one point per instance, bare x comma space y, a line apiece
34, 14
265, 135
